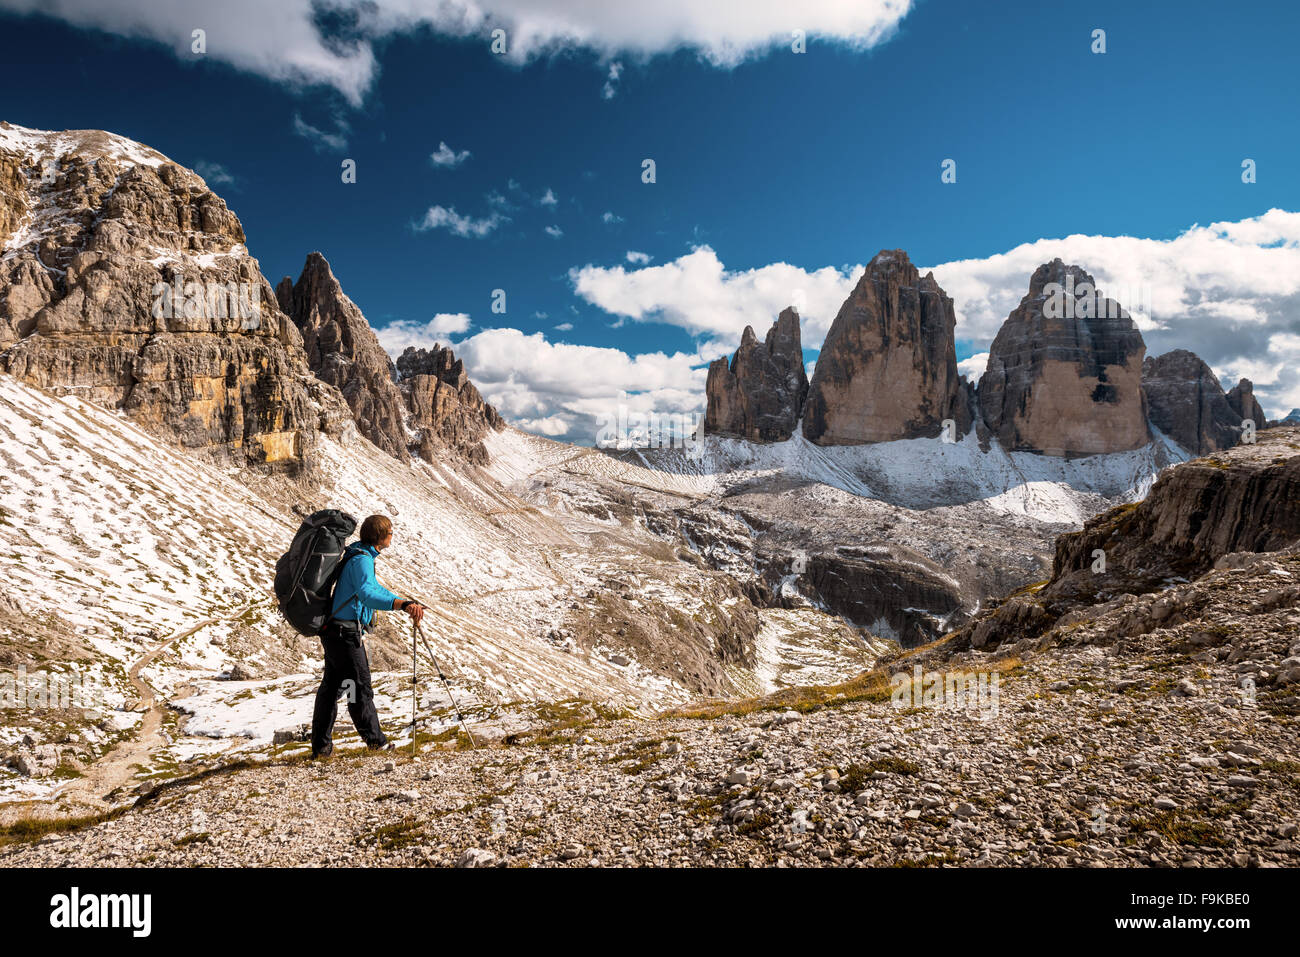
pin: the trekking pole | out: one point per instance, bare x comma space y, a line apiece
418, 630
415, 692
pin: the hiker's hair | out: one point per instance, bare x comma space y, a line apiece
375, 528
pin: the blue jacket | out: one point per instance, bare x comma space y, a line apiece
358, 594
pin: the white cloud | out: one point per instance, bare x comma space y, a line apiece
548, 199
638, 259
449, 323
396, 336
440, 217
214, 173
973, 367
320, 139
610, 89
610, 218
564, 327
561, 389
1230, 292
447, 157
281, 41
555, 232
697, 293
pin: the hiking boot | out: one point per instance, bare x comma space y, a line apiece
382, 746
323, 755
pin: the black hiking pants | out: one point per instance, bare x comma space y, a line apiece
347, 671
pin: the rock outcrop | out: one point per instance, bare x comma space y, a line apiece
125, 281
1245, 499
446, 409
888, 367
1065, 371
1186, 402
760, 394
343, 351
1241, 397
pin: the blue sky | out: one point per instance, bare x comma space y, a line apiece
778, 173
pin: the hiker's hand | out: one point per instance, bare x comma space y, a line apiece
415, 610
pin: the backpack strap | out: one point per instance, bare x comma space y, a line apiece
348, 555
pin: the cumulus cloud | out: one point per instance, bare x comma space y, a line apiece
973, 367
1230, 292
610, 218
560, 389
699, 294
285, 42
638, 259
548, 199
555, 232
442, 217
447, 157
396, 336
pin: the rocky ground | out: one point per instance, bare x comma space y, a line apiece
1102, 755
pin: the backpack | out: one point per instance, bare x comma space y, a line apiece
305, 575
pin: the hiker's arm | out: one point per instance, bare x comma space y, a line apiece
376, 596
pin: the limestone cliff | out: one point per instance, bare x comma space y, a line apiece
125, 281
343, 350
1186, 402
1064, 375
760, 394
888, 367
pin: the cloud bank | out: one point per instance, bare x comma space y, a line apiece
333, 43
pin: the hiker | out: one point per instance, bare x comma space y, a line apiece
357, 596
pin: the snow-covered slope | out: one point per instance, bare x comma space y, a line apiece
149, 569
912, 473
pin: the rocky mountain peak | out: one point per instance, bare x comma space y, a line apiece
1065, 371
1241, 397
760, 394
423, 403
125, 281
1186, 402
888, 367
343, 351
445, 407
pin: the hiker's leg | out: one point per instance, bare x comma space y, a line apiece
362, 705
327, 696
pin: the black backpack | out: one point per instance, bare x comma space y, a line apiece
305, 575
